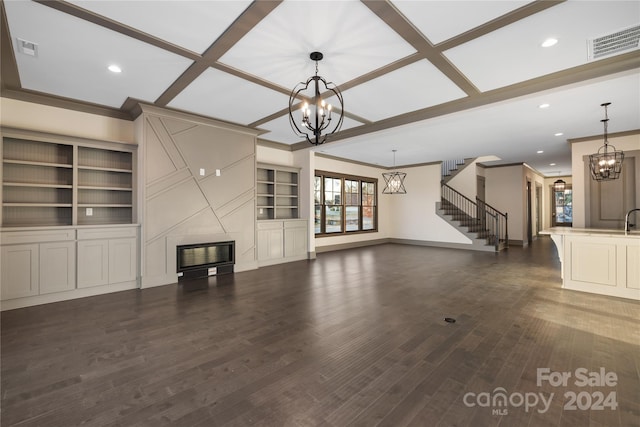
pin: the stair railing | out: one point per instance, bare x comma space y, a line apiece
449, 166
480, 214
464, 204
496, 222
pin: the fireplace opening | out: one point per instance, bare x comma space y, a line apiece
205, 259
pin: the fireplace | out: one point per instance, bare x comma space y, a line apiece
205, 259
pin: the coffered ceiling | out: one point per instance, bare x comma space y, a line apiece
434, 80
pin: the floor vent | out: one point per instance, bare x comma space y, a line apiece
624, 40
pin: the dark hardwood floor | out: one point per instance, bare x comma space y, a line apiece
354, 338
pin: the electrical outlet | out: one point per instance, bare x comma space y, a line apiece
201, 171
218, 172
89, 212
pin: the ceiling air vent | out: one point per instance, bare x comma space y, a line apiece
28, 48
615, 43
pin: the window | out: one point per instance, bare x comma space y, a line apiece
344, 204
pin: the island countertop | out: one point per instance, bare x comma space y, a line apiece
600, 232
600, 261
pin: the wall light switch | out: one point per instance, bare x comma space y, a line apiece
201, 171
89, 212
217, 172
261, 211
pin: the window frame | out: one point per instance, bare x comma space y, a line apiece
344, 203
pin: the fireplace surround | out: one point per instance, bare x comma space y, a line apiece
205, 259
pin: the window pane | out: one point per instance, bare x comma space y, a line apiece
352, 218
317, 191
368, 217
332, 191
333, 217
318, 219
352, 193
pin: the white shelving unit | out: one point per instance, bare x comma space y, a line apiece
54, 184
68, 228
277, 192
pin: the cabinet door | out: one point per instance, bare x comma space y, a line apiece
295, 241
19, 271
270, 244
123, 266
57, 267
93, 263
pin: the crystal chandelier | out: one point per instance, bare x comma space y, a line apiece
316, 123
606, 164
394, 181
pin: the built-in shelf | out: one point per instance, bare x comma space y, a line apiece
47, 183
277, 192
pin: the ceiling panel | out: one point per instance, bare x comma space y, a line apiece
194, 25
227, 97
442, 20
353, 40
513, 130
73, 56
513, 53
397, 85
413, 87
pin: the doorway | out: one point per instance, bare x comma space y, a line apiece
562, 207
529, 224
538, 209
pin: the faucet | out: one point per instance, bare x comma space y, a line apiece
627, 225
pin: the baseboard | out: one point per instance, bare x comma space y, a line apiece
446, 245
351, 245
12, 304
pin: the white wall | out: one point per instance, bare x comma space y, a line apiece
466, 181
505, 191
44, 118
585, 148
413, 215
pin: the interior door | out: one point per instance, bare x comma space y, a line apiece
562, 207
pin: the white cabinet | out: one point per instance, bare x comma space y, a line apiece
53, 264
270, 241
19, 271
37, 262
123, 261
93, 263
107, 256
295, 239
57, 267
281, 241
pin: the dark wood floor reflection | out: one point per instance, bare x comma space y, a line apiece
354, 338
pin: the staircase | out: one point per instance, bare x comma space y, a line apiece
484, 225
451, 168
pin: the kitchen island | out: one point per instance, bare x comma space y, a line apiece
599, 261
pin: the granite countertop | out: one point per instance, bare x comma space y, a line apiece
591, 232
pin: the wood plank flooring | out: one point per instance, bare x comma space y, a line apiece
353, 338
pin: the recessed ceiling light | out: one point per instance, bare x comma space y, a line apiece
114, 68
552, 164
559, 134
549, 42
540, 151
544, 105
